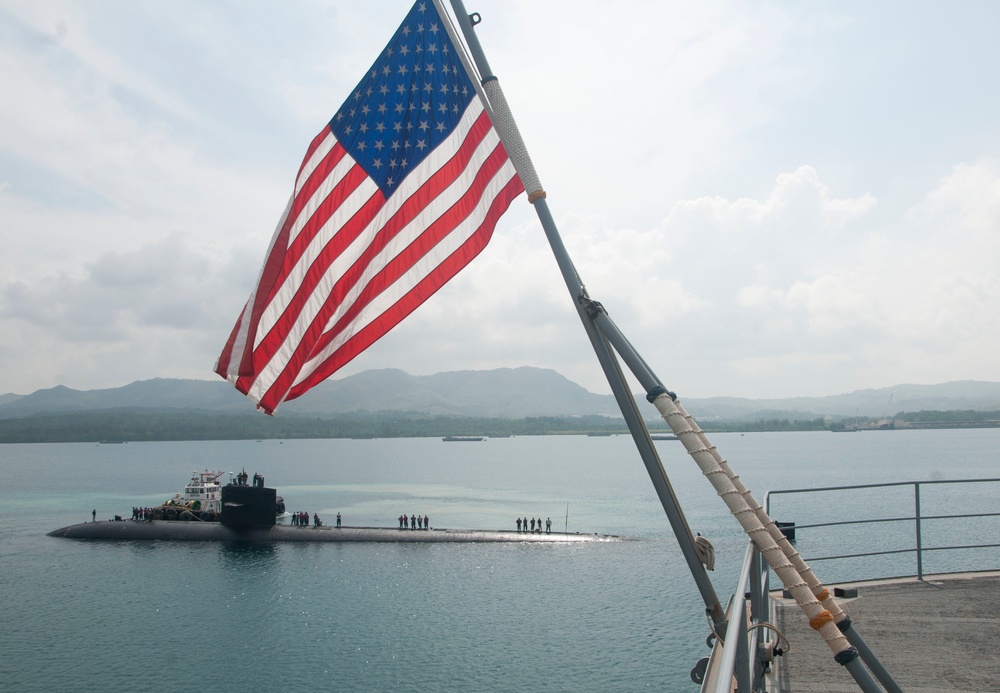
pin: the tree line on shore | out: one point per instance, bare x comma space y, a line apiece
166, 425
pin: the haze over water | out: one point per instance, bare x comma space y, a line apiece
372, 617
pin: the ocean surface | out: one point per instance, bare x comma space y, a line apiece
160, 616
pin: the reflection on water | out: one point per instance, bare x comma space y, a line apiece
247, 558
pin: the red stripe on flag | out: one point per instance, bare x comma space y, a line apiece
311, 225
222, 366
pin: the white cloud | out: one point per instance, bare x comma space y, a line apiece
916, 294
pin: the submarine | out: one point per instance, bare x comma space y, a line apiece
248, 516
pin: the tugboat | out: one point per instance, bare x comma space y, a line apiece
203, 492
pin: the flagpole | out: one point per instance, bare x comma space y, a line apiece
513, 143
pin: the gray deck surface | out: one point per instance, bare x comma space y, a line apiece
934, 636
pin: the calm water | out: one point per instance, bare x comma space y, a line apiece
89, 616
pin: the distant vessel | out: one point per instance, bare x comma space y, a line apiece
664, 437
462, 439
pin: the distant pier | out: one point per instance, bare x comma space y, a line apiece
165, 530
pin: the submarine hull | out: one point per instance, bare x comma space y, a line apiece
167, 530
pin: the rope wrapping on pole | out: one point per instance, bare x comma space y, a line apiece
820, 591
503, 120
707, 458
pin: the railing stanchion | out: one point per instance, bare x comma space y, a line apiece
916, 511
743, 668
759, 613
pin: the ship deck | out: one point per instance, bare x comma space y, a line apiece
932, 636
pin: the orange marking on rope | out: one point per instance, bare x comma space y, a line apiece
824, 595
820, 619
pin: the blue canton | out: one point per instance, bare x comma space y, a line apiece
410, 101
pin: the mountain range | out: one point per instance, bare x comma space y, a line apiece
503, 393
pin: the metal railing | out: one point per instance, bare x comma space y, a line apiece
741, 658
744, 652
917, 518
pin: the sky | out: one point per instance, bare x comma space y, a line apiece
770, 199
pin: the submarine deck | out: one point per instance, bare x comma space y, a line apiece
129, 530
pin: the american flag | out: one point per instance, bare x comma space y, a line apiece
397, 193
